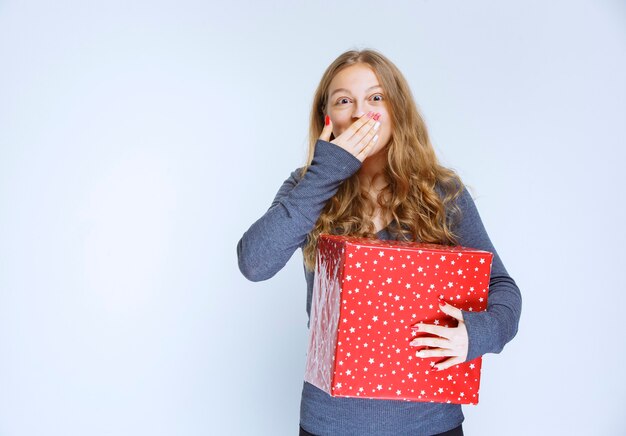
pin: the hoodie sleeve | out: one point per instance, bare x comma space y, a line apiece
491, 330
270, 242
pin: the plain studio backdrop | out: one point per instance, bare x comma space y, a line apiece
139, 140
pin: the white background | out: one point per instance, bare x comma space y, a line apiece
139, 140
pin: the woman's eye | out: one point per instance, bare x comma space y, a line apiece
378, 97
342, 100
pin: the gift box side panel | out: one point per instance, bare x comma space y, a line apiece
325, 312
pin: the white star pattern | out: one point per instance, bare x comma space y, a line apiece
374, 360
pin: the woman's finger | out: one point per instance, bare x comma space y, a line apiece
358, 138
449, 309
352, 137
365, 151
438, 330
356, 127
448, 363
430, 342
436, 352
364, 135
327, 130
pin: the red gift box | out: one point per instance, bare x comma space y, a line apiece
367, 295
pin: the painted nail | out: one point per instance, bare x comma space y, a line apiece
370, 114
442, 302
377, 116
327, 120
416, 327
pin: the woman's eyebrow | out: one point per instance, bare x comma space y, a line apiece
347, 91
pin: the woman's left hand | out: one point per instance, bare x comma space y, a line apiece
450, 341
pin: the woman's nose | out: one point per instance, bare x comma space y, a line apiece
359, 111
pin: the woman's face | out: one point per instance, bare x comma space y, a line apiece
355, 91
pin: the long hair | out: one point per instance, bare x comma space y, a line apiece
419, 196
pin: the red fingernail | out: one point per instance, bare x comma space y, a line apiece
327, 120
415, 327
370, 114
376, 117
442, 302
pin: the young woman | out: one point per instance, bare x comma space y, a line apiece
372, 172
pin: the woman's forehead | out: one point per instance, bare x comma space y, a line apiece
358, 77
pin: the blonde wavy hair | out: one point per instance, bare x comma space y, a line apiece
413, 175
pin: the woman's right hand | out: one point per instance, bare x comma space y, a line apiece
359, 139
